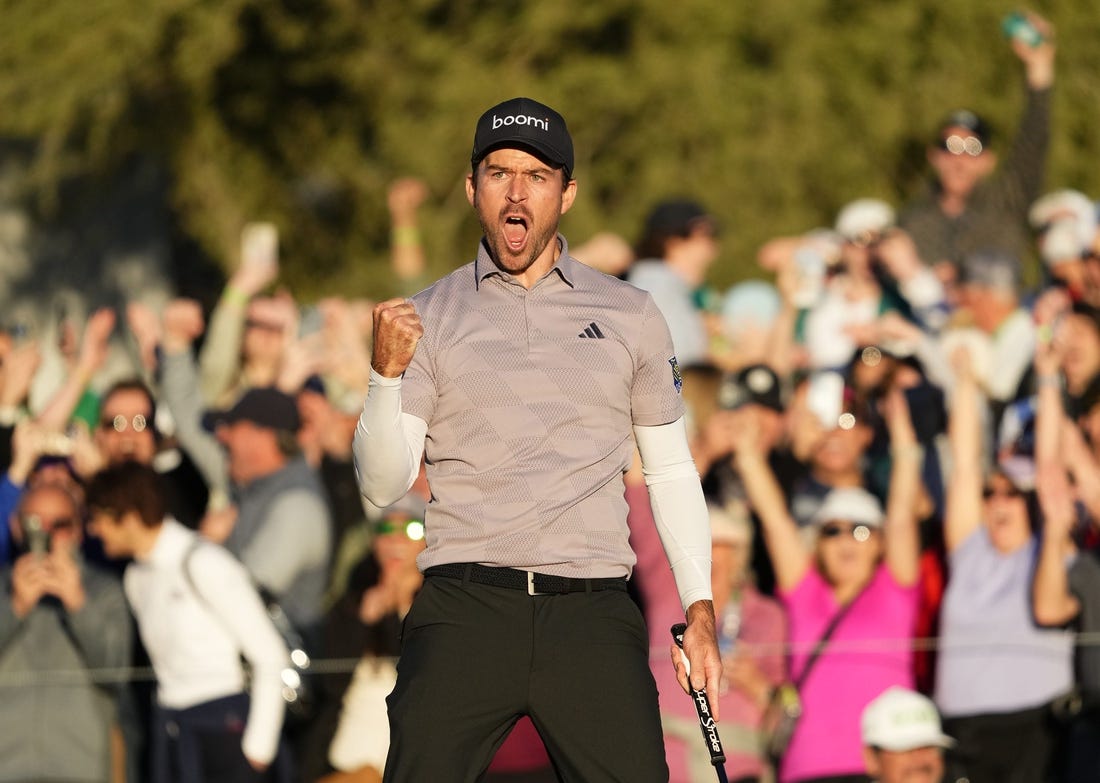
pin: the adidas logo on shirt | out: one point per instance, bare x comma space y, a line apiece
592, 331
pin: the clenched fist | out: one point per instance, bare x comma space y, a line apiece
397, 330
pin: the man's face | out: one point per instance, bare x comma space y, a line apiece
125, 428
957, 168
920, 765
55, 511
519, 201
113, 532
243, 440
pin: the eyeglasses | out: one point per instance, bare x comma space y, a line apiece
413, 528
962, 145
265, 326
138, 423
31, 521
860, 533
1001, 492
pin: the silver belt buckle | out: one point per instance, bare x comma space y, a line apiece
531, 584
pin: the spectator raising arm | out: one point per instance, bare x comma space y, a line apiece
1053, 603
790, 557
963, 513
93, 352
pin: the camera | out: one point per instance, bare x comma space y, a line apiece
35, 535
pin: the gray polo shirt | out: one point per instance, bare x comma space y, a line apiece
530, 397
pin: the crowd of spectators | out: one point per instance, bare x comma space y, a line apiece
899, 442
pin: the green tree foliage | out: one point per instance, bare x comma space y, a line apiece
773, 113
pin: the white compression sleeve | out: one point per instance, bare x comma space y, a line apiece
388, 444
679, 509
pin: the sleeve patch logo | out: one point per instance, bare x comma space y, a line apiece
677, 378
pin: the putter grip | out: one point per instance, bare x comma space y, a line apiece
707, 723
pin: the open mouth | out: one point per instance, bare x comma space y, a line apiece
515, 232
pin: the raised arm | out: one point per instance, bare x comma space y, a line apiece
789, 555
93, 352
963, 512
220, 359
1053, 603
902, 539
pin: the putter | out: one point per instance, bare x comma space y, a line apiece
702, 709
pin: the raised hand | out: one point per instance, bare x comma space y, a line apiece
20, 365
183, 323
145, 326
93, 346
397, 330
259, 264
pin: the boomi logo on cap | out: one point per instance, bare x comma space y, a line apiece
520, 119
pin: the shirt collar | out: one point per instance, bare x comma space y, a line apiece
172, 540
564, 267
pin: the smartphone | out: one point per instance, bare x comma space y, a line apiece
825, 397
260, 244
35, 535
310, 321
810, 265
1017, 25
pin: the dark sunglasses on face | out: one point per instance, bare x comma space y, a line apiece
860, 533
119, 423
52, 525
1001, 492
265, 326
413, 528
962, 145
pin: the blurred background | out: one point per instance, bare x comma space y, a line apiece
137, 138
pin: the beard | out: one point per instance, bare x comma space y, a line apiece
506, 259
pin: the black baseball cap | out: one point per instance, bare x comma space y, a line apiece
525, 124
964, 118
756, 384
265, 407
677, 218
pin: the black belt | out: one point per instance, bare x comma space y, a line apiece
533, 583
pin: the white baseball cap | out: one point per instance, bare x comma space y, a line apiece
900, 719
1068, 220
850, 504
864, 217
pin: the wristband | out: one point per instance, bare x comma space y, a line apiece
405, 236
235, 296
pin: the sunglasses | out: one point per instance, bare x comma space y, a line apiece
119, 423
962, 145
860, 533
52, 525
264, 326
1000, 492
413, 528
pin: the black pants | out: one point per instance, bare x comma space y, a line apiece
475, 658
1014, 747
202, 744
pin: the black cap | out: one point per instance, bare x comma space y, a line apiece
964, 118
264, 407
677, 218
756, 384
525, 124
